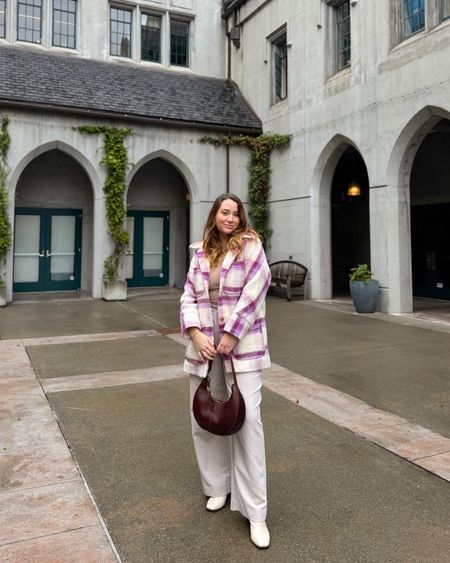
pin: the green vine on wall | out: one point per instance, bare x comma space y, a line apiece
5, 225
115, 160
259, 168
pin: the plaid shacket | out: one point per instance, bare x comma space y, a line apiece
244, 281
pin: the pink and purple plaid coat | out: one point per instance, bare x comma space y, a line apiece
244, 281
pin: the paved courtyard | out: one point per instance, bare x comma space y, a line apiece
97, 464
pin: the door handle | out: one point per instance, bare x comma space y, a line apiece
48, 253
41, 254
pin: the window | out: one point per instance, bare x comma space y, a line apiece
150, 38
280, 67
413, 16
64, 23
2, 18
343, 45
179, 42
29, 16
120, 41
445, 9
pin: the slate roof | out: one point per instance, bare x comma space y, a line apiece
109, 89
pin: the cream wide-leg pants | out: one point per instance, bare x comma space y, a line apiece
233, 464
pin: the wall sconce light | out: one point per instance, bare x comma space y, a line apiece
354, 189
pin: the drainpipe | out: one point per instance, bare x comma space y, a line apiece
233, 36
227, 147
227, 168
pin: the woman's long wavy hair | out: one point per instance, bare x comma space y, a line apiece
212, 245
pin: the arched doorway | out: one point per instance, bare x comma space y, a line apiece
158, 224
350, 218
430, 214
53, 225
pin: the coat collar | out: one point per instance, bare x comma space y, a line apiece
230, 257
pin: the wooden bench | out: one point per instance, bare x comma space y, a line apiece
288, 274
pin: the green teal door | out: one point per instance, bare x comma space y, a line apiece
47, 249
147, 259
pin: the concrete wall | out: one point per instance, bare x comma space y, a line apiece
383, 104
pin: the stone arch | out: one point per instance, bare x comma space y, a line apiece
398, 175
321, 182
93, 225
81, 159
160, 182
176, 162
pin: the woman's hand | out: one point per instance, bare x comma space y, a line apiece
203, 345
227, 343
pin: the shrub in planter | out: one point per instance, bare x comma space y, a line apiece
115, 160
364, 289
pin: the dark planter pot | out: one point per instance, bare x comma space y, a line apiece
365, 295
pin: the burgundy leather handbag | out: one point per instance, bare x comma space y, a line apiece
219, 417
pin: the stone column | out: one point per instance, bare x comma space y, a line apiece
379, 241
399, 249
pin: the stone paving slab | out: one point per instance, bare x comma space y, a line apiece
436, 463
410, 441
14, 361
73, 338
332, 496
94, 381
42, 495
45, 510
32, 449
81, 358
85, 545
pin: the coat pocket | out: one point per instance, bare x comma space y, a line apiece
253, 345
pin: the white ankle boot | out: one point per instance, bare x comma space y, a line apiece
259, 534
216, 503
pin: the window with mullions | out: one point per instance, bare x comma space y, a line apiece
179, 42
280, 67
2, 18
343, 38
120, 42
445, 9
413, 16
64, 23
29, 16
151, 38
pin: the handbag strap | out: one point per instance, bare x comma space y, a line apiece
232, 370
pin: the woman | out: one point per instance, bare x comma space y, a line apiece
222, 314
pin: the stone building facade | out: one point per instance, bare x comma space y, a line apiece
363, 88
156, 67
